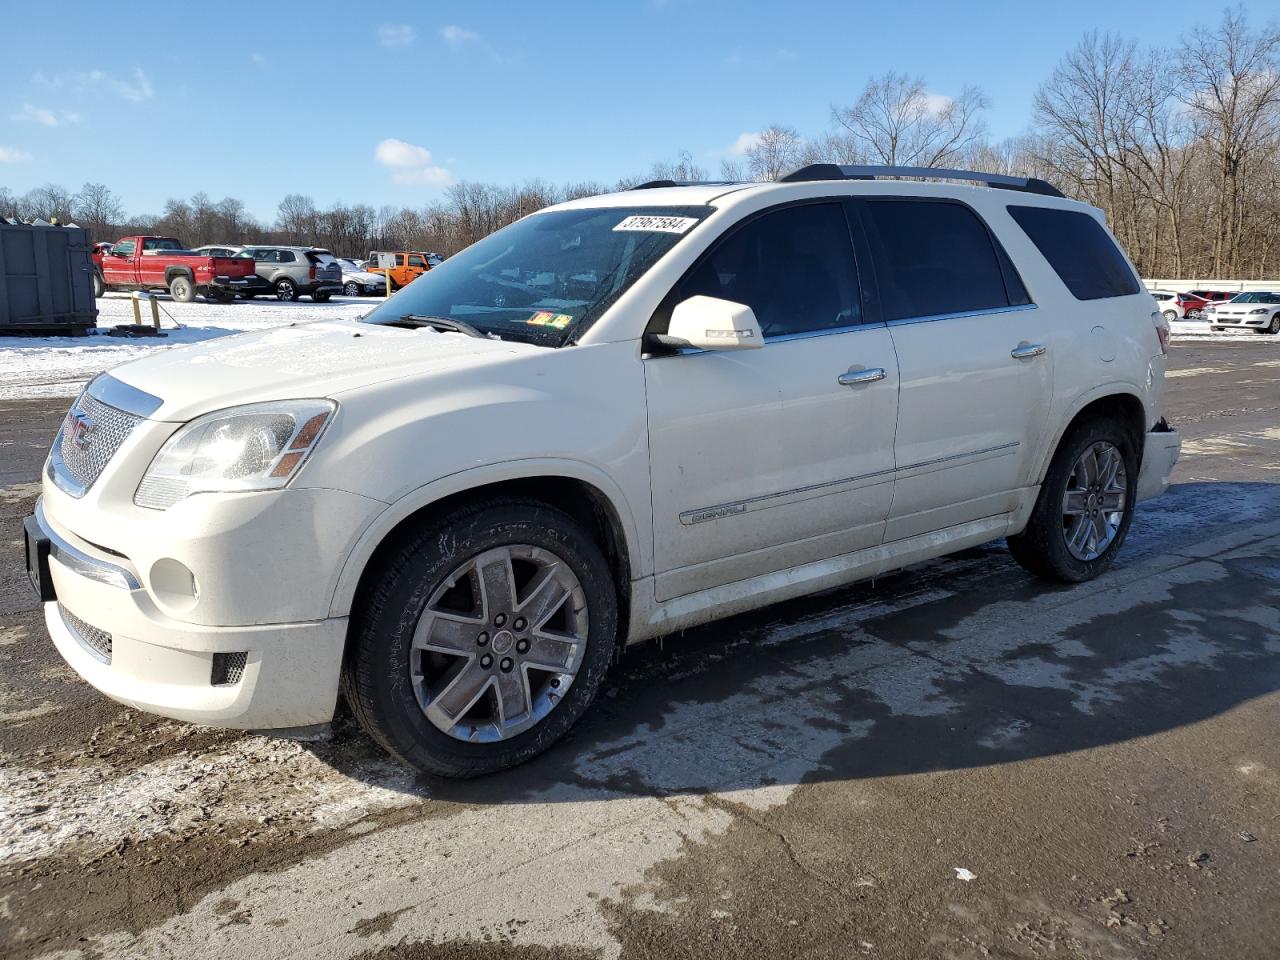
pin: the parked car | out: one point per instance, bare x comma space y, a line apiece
400, 268
296, 271
614, 419
162, 263
1190, 306
1169, 304
221, 250
357, 281
1254, 310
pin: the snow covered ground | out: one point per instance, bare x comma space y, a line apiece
59, 366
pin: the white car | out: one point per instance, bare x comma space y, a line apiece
615, 419
1169, 303
358, 282
1254, 310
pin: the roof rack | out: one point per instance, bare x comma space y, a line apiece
835, 171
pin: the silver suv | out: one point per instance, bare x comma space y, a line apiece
295, 271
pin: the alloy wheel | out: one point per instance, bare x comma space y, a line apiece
1093, 505
499, 643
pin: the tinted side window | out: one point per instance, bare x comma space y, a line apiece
934, 258
1079, 250
793, 267
124, 249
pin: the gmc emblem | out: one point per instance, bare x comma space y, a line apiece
81, 427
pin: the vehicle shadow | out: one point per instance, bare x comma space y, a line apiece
956, 663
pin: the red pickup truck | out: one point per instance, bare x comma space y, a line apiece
163, 263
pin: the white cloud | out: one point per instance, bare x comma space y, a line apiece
411, 163
936, 103
396, 34
457, 36
13, 155
135, 88
742, 144
33, 114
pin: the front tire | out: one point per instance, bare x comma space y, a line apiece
1171, 315
182, 289
352, 289
99, 286
1273, 328
286, 291
1085, 506
474, 659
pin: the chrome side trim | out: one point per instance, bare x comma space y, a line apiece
767, 500
75, 559
904, 321
118, 394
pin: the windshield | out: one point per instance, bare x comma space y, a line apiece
548, 277
1257, 298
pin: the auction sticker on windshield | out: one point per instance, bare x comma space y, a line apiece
655, 224
545, 318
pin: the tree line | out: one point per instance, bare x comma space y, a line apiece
1179, 146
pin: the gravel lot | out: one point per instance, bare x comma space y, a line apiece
956, 761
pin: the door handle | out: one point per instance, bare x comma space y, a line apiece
852, 378
1026, 351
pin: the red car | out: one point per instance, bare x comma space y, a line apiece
163, 263
1192, 304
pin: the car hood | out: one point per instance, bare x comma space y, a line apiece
363, 276
320, 359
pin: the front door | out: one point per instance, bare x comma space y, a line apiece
764, 459
972, 354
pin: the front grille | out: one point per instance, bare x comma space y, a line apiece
90, 437
228, 668
97, 642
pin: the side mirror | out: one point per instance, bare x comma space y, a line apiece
709, 323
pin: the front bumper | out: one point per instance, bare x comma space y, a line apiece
110, 630
1159, 454
249, 286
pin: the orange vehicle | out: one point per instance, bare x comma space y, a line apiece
400, 267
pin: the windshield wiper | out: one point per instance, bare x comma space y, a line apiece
413, 321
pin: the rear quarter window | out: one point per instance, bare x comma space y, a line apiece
1080, 251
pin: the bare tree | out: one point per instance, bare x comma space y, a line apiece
49, 203
777, 151
897, 121
296, 216
98, 209
1232, 89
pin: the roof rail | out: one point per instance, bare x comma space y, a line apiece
835, 171
655, 184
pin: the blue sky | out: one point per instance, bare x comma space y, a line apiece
387, 103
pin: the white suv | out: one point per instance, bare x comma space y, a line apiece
617, 418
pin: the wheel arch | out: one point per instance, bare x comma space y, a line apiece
589, 497
171, 273
1115, 401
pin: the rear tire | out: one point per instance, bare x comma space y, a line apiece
1101, 507
182, 289
396, 655
1171, 315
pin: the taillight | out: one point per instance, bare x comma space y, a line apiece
313, 271
1162, 331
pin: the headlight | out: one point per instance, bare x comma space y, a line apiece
1259, 310
256, 447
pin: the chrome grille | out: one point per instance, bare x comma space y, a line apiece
90, 437
97, 642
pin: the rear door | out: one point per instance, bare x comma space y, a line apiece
762, 460
972, 354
